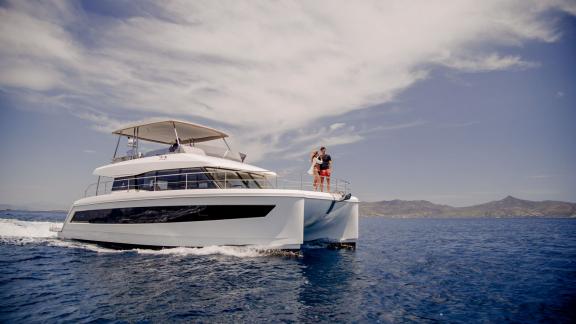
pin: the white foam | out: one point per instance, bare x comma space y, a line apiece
241, 252
19, 232
14, 231
81, 245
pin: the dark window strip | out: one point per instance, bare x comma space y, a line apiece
170, 214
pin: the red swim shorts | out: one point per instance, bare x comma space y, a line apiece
325, 173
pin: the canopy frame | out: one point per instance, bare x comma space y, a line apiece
157, 131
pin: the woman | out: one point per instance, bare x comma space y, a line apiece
314, 170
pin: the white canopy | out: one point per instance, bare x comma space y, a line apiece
164, 131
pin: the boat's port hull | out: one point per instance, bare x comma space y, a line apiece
296, 217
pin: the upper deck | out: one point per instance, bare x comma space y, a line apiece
183, 158
178, 137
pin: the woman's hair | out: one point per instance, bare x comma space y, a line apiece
313, 155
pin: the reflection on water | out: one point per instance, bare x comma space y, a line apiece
403, 270
333, 287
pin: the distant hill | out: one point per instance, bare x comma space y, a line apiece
507, 207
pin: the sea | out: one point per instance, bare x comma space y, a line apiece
519, 270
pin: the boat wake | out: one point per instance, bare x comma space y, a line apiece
18, 232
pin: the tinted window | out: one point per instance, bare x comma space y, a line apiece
261, 180
226, 178
145, 181
248, 180
170, 214
173, 179
199, 181
123, 183
170, 180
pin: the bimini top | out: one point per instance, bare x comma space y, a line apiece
165, 130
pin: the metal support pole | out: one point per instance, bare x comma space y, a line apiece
133, 139
225, 142
176, 133
228, 146
137, 142
116, 149
97, 185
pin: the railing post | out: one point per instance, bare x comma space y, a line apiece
225, 180
301, 182
186, 181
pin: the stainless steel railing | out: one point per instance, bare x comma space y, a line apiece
221, 179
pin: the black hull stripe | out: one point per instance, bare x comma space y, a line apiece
170, 214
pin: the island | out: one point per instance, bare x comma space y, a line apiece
507, 207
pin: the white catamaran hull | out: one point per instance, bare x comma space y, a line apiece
264, 218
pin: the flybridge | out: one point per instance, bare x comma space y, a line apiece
169, 131
181, 135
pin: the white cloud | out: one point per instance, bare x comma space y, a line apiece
492, 62
336, 126
263, 69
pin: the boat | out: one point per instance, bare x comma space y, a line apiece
190, 194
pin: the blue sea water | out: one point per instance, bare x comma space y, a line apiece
407, 270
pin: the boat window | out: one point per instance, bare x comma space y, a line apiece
199, 180
248, 180
261, 180
170, 180
238, 179
226, 178
173, 179
145, 181
123, 183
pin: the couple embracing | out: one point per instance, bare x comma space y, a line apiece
320, 169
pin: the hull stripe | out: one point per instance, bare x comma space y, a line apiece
170, 214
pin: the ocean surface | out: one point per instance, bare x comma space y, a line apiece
403, 271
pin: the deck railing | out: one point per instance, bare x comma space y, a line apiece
222, 179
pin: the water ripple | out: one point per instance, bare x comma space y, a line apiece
462, 271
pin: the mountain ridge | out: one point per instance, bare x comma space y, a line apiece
507, 207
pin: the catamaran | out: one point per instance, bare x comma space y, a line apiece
189, 194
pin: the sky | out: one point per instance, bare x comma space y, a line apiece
457, 102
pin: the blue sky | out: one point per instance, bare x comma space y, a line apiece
455, 102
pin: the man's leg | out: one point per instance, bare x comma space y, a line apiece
328, 183
321, 183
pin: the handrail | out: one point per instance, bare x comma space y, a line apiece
221, 179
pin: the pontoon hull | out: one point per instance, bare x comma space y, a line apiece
295, 217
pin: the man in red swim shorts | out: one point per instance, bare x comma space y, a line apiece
325, 169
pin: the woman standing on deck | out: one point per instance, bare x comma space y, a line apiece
314, 170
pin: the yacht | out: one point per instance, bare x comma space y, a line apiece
190, 194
